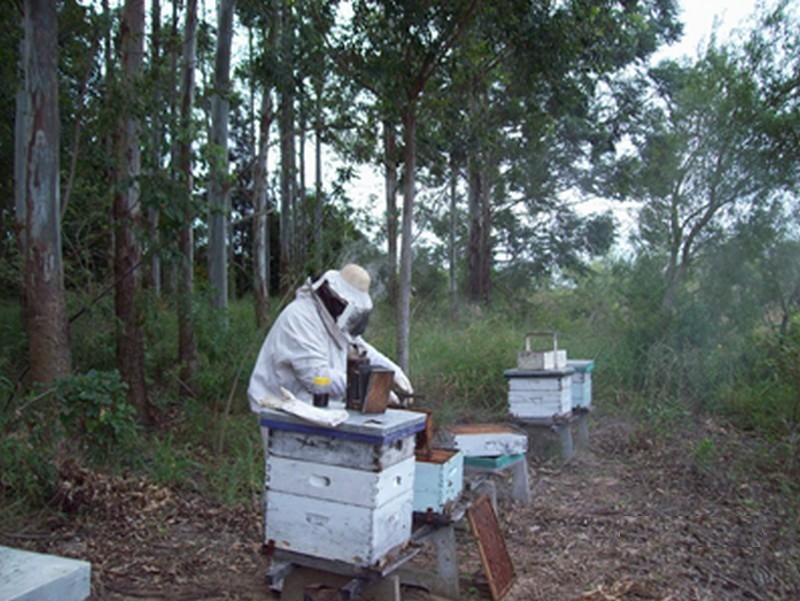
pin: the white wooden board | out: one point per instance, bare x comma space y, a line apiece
487, 440
335, 531
340, 484
534, 384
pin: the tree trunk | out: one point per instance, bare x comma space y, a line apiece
474, 195
300, 210
260, 221
187, 346
219, 190
318, 200
390, 159
288, 156
38, 202
406, 259
153, 275
451, 237
127, 249
485, 262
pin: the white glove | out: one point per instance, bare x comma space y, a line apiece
318, 415
401, 383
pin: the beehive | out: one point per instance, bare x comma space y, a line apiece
539, 394
581, 383
342, 494
438, 480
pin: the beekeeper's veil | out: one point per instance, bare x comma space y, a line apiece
345, 296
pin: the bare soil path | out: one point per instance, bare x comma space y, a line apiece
627, 519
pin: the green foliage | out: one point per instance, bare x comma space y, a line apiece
12, 340
97, 415
27, 470
457, 360
765, 396
93, 331
27, 467
169, 461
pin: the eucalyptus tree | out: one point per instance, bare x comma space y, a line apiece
38, 207
550, 61
319, 93
10, 37
393, 49
262, 21
219, 189
127, 215
285, 87
187, 345
702, 160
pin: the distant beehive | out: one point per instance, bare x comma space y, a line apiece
539, 394
342, 494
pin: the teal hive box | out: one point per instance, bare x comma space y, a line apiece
581, 382
438, 480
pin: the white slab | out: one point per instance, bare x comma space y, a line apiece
335, 531
438, 483
486, 440
340, 484
27, 576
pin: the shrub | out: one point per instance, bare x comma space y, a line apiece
96, 413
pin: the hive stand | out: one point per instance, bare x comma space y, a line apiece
480, 470
299, 577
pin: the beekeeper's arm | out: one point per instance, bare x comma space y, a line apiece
401, 382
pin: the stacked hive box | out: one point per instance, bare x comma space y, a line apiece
341, 494
540, 394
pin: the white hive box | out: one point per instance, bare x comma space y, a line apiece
581, 382
486, 440
539, 394
341, 494
438, 480
26, 576
340, 484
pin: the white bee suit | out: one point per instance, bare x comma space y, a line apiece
306, 342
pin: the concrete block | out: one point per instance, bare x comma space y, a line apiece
27, 576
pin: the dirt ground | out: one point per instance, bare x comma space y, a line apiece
626, 519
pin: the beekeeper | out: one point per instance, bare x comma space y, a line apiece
312, 337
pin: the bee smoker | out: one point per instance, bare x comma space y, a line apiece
368, 386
